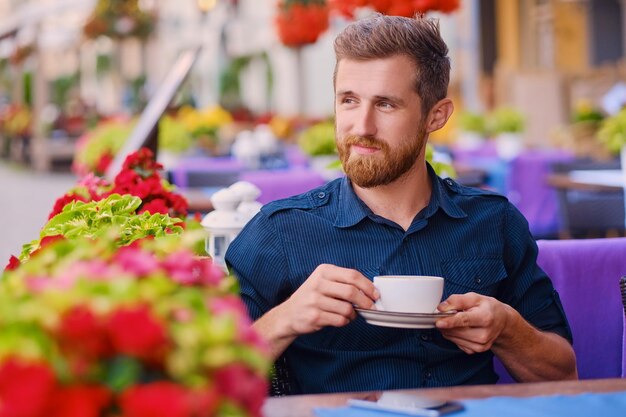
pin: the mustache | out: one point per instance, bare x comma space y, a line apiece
369, 142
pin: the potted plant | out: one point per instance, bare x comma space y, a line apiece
318, 142
90, 328
507, 125
472, 130
115, 311
612, 135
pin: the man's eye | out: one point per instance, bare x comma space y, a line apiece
386, 105
348, 100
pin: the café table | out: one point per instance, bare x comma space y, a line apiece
522, 180
589, 180
303, 405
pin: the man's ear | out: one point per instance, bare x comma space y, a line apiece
439, 115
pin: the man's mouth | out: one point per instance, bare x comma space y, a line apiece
364, 150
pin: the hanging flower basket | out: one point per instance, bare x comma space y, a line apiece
300, 22
119, 19
406, 8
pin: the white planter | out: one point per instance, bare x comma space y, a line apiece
509, 145
320, 165
168, 159
470, 140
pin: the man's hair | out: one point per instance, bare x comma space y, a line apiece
417, 38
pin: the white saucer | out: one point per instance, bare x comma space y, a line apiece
402, 320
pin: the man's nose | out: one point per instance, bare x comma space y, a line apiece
364, 123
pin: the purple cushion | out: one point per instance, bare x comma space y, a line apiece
586, 274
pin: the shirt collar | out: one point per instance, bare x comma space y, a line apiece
352, 210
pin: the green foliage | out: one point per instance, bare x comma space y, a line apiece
473, 122
61, 87
173, 136
95, 219
443, 169
612, 133
319, 139
507, 120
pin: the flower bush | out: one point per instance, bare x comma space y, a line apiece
138, 204
91, 329
301, 22
406, 8
96, 149
114, 312
119, 19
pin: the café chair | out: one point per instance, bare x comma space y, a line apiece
589, 213
280, 382
622, 284
585, 274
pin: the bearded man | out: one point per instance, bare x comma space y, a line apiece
304, 263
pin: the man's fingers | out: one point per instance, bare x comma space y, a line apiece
460, 319
459, 302
350, 277
339, 307
349, 293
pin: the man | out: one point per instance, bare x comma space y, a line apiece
305, 261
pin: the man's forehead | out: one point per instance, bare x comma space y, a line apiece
393, 73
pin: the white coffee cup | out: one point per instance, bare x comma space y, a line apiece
408, 293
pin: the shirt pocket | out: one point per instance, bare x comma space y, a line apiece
479, 275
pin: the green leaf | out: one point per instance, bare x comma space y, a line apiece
122, 372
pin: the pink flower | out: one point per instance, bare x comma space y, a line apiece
231, 304
186, 268
242, 385
95, 270
136, 261
37, 284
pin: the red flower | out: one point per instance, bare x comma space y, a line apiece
63, 201
203, 403
301, 23
83, 334
80, 401
158, 399
135, 332
103, 163
13, 264
45, 241
243, 386
25, 388
154, 206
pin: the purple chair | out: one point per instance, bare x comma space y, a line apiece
586, 273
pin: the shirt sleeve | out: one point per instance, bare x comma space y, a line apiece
529, 290
257, 258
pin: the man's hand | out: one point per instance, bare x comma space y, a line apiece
325, 299
477, 325
484, 323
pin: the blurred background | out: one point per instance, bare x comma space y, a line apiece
538, 87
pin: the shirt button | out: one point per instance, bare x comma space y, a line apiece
425, 337
449, 181
321, 195
477, 280
428, 375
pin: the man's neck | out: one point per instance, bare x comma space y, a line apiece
401, 200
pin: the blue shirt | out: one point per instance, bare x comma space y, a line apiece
475, 239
